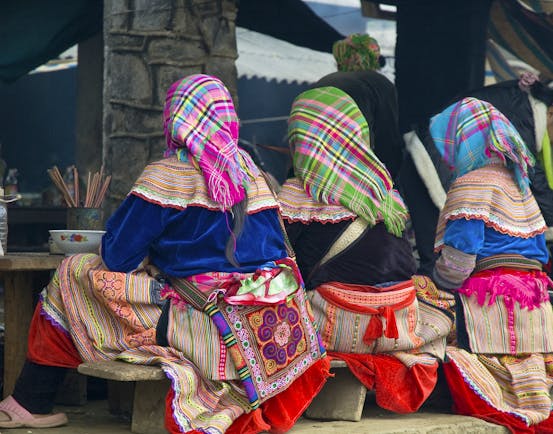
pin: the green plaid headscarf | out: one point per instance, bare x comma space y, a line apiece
329, 140
357, 52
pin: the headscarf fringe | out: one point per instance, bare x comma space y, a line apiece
219, 192
394, 215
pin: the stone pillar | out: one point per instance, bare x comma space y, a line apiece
149, 44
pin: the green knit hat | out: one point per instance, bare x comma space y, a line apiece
357, 52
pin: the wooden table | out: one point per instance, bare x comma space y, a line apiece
24, 275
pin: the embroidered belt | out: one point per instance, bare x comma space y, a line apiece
403, 297
515, 261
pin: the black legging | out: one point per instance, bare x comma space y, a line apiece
37, 386
424, 214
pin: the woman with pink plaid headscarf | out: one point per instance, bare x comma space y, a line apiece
194, 275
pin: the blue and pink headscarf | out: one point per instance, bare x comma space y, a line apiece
470, 132
201, 127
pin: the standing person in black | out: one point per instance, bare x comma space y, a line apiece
358, 60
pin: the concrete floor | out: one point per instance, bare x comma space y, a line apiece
93, 418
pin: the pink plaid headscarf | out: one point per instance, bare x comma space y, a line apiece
201, 126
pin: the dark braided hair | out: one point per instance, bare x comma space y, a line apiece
239, 215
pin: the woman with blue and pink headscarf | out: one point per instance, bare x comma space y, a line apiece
492, 251
194, 275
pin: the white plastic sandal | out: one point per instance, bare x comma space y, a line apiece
21, 418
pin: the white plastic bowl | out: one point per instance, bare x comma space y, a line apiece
77, 241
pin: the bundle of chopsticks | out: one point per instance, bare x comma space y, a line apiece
95, 188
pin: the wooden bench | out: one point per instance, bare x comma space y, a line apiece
137, 390
140, 391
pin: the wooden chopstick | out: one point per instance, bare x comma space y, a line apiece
56, 177
95, 191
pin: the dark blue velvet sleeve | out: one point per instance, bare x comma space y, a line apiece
187, 242
130, 232
465, 235
475, 238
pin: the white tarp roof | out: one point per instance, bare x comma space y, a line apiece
263, 56
266, 57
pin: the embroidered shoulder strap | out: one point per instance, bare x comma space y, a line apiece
348, 237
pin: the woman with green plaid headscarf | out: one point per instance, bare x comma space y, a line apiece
339, 179
346, 221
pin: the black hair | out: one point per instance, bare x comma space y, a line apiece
239, 215
540, 91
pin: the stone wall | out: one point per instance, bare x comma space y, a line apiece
149, 44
